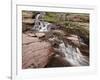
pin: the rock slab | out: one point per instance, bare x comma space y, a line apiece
35, 53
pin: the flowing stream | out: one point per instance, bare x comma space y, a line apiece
40, 25
71, 54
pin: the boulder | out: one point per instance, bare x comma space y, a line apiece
28, 21
38, 34
35, 53
74, 39
27, 14
61, 32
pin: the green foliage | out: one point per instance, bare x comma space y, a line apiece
50, 17
74, 23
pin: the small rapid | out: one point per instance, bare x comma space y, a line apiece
72, 54
40, 25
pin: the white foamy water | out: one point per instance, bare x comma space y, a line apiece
44, 27
40, 25
73, 55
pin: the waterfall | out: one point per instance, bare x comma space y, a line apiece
40, 25
73, 55
44, 28
37, 16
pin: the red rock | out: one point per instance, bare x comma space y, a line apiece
28, 39
40, 34
35, 54
74, 39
